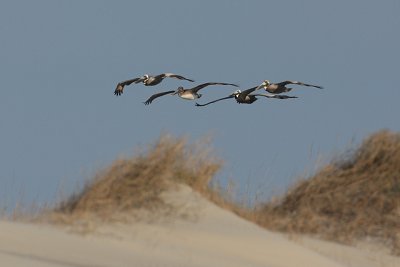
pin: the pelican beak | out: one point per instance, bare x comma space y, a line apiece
174, 93
260, 86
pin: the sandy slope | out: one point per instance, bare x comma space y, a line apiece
209, 236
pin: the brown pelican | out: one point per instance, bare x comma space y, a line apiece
147, 80
278, 88
246, 98
189, 94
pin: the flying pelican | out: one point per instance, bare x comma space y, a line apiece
147, 80
246, 98
278, 88
189, 94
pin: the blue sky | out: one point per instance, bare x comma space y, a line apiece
60, 62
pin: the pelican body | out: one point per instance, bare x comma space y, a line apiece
147, 80
278, 88
188, 94
246, 97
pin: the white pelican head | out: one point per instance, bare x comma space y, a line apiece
264, 84
236, 93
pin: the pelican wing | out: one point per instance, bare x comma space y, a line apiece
276, 96
171, 75
201, 86
242, 96
151, 98
248, 91
298, 83
120, 86
202, 105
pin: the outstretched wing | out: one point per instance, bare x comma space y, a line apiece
171, 75
202, 105
151, 98
248, 91
201, 86
276, 96
120, 86
298, 83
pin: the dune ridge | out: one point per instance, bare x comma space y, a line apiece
354, 198
214, 237
159, 208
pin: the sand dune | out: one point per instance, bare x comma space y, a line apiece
200, 234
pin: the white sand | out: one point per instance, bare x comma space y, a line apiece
210, 236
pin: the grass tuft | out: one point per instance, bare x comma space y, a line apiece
136, 183
353, 198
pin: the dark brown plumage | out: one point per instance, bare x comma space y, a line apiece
246, 97
147, 80
278, 88
188, 94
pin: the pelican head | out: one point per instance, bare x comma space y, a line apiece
264, 84
179, 90
146, 77
236, 93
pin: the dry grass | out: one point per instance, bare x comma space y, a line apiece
354, 198
136, 183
